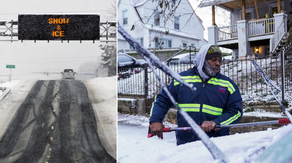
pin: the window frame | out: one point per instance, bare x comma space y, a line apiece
176, 22
125, 17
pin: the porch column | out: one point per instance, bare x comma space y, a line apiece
279, 19
212, 35
243, 44
243, 9
213, 15
278, 6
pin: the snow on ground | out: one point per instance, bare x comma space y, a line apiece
134, 146
103, 94
263, 113
9, 104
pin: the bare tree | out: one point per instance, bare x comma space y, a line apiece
109, 58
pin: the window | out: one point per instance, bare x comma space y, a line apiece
141, 41
169, 44
125, 17
156, 17
273, 8
248, 16
173, 1
176, 23
163, 43
185, 45
130, 47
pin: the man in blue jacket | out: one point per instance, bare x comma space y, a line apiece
216, 101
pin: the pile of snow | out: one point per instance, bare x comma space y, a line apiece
134, 146
103, 94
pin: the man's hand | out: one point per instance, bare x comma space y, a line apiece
156, 128
207, 126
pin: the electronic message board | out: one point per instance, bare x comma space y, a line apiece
58, 27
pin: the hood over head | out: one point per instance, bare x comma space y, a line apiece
207, 51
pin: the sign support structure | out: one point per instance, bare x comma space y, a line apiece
10, 67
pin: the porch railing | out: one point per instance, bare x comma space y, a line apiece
261, 27
275, 40
226, 33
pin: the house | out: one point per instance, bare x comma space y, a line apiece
257, 26
156, 26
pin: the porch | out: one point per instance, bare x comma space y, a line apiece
255, 28
256, 32
260, 23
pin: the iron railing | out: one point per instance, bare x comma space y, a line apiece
275, 40
132, 82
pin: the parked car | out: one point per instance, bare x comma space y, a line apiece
226, 59
126, 61
181, 59
68, 74
127, 65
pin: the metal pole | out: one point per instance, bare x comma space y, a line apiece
11, 30
283, 75
107, 31
10, 75
190, 56
146, 82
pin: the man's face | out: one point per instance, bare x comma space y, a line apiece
215, 63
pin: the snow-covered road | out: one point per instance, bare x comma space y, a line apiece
102, 95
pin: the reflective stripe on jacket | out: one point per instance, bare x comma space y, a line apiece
217, 100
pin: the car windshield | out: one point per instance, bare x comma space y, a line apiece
68, 70
124, 58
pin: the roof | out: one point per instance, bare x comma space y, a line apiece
231, 4
183, 55
171, 32
138, 2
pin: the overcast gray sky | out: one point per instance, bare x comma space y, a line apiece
54, 56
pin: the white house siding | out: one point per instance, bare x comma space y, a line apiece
123, 44
132, 17
192, 33
176, 40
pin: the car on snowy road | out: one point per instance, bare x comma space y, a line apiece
68, 74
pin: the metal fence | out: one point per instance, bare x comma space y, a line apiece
142, 82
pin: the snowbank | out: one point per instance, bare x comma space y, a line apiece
9, 106
134, 146
103, 94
